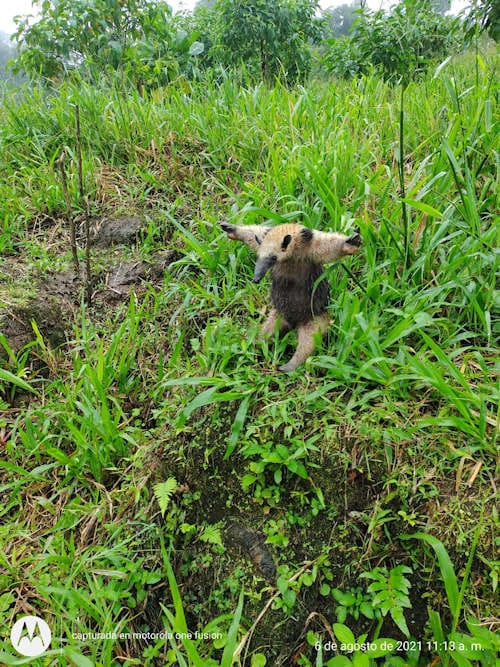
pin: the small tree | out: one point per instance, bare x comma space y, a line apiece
272, 35
400, 45
140, 36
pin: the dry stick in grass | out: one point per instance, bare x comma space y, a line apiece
273, 597
326, 625
88, 272
72, 233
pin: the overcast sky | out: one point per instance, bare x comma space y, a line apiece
10, 8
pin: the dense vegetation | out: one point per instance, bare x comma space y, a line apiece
158, 475
265, 38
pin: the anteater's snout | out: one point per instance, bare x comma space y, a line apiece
262, 266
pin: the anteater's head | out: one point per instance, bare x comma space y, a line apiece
290, 243
279, 244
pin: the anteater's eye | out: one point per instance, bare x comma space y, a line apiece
286, 241
257, 240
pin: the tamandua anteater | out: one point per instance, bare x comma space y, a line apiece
299, 294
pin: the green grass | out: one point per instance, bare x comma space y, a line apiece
390, 430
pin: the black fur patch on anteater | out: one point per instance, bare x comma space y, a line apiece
295, 292
306, 234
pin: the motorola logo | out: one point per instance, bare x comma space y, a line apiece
30, 636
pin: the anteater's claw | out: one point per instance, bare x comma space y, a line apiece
227, 227
355, 240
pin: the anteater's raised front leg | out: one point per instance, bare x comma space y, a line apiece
324, 247
305, 346
250, 235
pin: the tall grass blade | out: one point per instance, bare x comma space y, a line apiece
445, 566
9, 378
232, 635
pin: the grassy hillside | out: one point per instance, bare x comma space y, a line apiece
356, 491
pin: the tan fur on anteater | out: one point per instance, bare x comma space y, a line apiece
295, 256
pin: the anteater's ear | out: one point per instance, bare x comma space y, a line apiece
286, 241
262, 234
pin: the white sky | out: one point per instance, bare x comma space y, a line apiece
11, 8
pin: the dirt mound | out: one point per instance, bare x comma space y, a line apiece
60, 293
117, 231
131, 273
124, 277
64, 284
45, 310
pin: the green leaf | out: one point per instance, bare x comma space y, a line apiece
6, 600
59, 455
78, 659
196, 48
343, 633
367, 610
247, 481
380, 647
341, 613
425, 208
237, 426
360, 660
232, 635
212, 535
436, 627
308, 579
470, 645
163, 492
206, 397
460, 659
440, 67
10, 378
399, 619
445, 565
179, 620
346, 599
339, 661
486, 637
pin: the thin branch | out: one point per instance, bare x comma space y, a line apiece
83, 200
69, 209
79, 157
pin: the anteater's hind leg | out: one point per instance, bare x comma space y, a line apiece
305, 347
269, 325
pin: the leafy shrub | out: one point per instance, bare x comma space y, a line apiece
482, 16
401, 44
270, 37
140, 37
